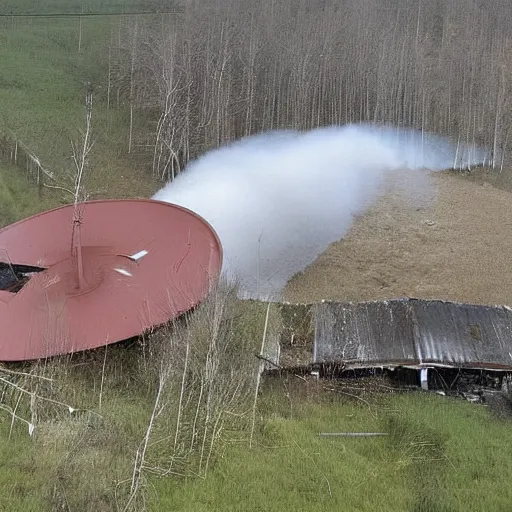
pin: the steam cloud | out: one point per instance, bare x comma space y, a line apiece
278, 199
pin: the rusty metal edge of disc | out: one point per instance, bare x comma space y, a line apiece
123, 200
173, 206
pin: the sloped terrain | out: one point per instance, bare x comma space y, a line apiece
457, 247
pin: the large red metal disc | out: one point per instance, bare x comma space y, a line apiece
143, 263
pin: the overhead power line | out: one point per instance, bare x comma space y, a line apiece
85, 14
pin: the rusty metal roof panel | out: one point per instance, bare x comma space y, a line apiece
363, 332
461, 334
413, 331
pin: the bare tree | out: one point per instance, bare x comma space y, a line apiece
228, 69
80, 158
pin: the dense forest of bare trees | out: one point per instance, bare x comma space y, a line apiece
226, 69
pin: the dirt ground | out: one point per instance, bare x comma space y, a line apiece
458, 247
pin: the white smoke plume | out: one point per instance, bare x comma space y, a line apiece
278, 199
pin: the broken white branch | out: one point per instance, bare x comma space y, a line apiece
258, 376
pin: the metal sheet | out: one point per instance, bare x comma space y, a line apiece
413, 332
144, 262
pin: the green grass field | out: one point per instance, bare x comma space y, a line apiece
76, 6
42, 95
440, 455
19, 197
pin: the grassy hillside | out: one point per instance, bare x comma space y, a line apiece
74, 6
42, 96
440, 455
19, 197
